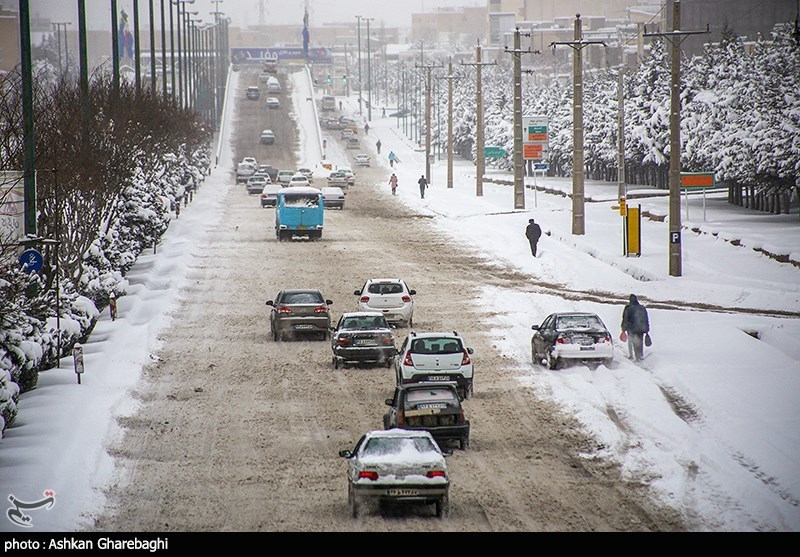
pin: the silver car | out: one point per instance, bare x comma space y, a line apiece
333, 197
299, 312
395, 466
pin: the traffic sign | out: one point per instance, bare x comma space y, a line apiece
541, 166
697, 180
494, 152
31, 261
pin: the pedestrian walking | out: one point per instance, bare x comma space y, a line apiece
533, 232
391, 158
383, 112
423, 185
393, 183
340, 106
635, 328
378, 145
366, 128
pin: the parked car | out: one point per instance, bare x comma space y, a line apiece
269, 195
338, 179
436, 356
571, 336
285, 176
353, 143
307, 172
432, 407
300, 211
299, 312
333, 197
362, 337
362, 159
391, 297
397, 466
299, 180
253, 93
256, 184
267, 137
273, 102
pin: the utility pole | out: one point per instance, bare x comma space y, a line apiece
578, 187
428, 68
450, 78
519, 178
114, 49
675, 38
59, 26
622, 190
152, 50
164, 50
83, 72
369, 72
480, 159
358, 17
137, 52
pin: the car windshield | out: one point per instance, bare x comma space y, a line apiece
364, 322
579, 322
398, 446
385, 288
436, 345
301, 200
302, 298
432, 395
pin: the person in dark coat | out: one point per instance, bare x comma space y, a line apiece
533, 232
636, 324
423, 184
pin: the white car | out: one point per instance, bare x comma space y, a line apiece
299, 180
307, 172
397, 465
285, 176
250, 160
391, 297
333, 197
362, 159
436, 356
273, 102
269, 195
256, 184
351, 176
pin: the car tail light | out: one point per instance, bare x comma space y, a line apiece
343, 341
401, 417
321, 309
436, 474
407, 361
368, 474
563, 340
364, 299
284, 309
406, 299
604, 339
387, 340
465, 361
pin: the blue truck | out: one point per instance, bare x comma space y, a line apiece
300, 211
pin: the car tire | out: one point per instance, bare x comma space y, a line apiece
464, 443
352, 499
443, 507
335, 362
410, 321
552, 361
389, 362
275, 336
534, 356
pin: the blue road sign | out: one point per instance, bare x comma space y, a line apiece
541, 166
31, 261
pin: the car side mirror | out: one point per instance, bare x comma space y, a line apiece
412, 292
329, 302
447, 452
270, 303
535, 327
389, 402
470, 351
346, 454
357, 292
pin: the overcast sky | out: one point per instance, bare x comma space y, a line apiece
246, 12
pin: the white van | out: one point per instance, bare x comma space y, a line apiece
273, 85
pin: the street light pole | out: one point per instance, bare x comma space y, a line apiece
369, 72
152, 50
450, 78
428, 68
137, 52
480, 159
164, 49
358, 17
114, 49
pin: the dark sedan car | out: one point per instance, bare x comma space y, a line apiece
363, 336
433, 407
571, 336
299, 312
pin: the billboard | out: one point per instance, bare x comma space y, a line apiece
243, 55
535, 144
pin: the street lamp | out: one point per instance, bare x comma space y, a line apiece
180, 18
58, 25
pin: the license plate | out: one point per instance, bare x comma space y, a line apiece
403, 492
366, 342
587, 347
438, 378
302, 227
304, 326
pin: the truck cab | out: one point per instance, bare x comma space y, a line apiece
300, 211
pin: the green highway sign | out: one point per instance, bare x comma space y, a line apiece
494, 152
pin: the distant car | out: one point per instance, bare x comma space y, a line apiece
299, 312
285, 176
432, 407
390, 296
273, 102
255, 184
351, 177
245, 171
347, 133
307, 172
263, 77
267, 137
400, 113
271, 171
338, 179
571, 336
269, 195
362, 159
298, 180
353, 143
253, 93
333, 197
362, 337
436, 356
397, 465
250, 160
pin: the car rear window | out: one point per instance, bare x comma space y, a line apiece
434, 345
302, 298
385, 288
368, 322
385, 446
433, 395
587, 322
301, 200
